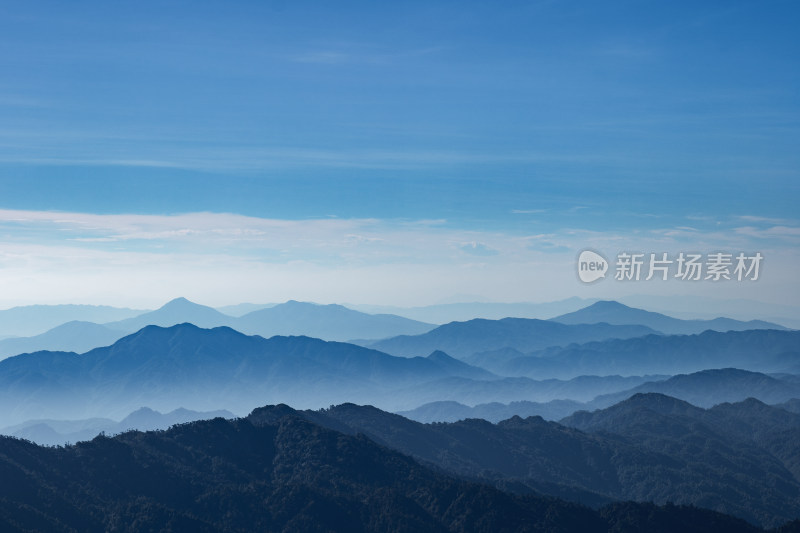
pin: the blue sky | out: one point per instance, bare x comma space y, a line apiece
492, 141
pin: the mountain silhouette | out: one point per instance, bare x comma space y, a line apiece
462, 311
756, 350
205, 369
511, 390
177, 311
286, 474
739, 475
450, 411
710, 387
611, 312
462, 339
58, 432
30, 320
75, 336
329, 322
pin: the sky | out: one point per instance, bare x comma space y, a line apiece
401, 153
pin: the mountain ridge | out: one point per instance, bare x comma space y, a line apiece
565, 462
613, 312
461, 339
289, 475
203, 366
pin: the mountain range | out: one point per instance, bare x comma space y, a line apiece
444, 313
619, 405
710, 387
339, 323
30, 320
58, 432
452, 411
478, 391
206, 369
757, 350
611, 312
75, 336
462, 339
738, 458
282, 473
705, 388
328, 322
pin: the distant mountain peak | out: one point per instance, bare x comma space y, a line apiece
178, 302
608, 304
613, 312
654, 399
439, 355
151, 328
144, 411
298, 303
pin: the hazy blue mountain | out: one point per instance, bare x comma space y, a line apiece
737, 475
757, 350
32, 320
507, 390
146, 419
286, 475
329, 322
496, 359
556, 399
445, 313
242, 309
612, 419
72, 337
710, 387
793, 405
612, 312
177, 311
450, 411
462, 339
206, 369
693, 306
459, 368
58, 432
706, 388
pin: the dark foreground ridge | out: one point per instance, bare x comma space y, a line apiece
739, 459
282, 474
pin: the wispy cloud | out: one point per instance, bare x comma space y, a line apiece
357, 53
528, 211
773, 232
769, 220
222, 257
112, 151
478, 248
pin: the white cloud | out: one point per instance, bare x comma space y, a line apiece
477, 248
785, 233
528, 211
220, 258
768, 220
